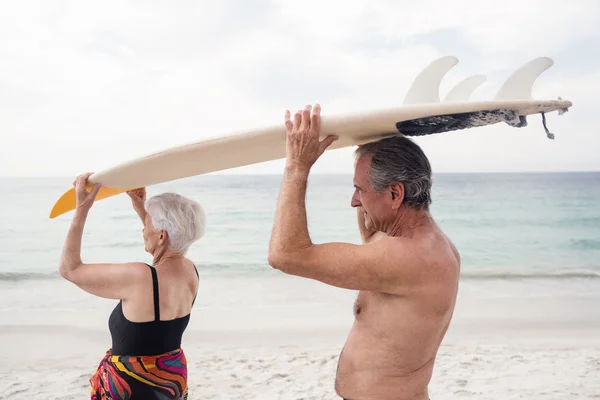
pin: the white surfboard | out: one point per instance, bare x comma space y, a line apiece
422, 113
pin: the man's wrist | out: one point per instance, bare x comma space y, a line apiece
295, 169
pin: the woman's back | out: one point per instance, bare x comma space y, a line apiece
153, 318
177, 288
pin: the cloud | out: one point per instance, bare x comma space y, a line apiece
86, 85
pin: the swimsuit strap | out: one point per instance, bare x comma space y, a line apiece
155, 288
198, 275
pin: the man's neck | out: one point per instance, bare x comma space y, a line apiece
407, 221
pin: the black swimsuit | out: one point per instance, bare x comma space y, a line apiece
146, 338
146, 361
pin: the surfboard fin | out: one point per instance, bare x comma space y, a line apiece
519, 84
464, 89
425, 88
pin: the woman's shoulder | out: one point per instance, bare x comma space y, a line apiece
188, 262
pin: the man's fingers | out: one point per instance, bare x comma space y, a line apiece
305, 124
327, 142
315, 120
297, 119
288, 121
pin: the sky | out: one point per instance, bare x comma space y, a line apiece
87, 85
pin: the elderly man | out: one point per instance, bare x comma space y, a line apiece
406, 270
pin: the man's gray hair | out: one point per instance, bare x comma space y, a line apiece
183, 219
399, 160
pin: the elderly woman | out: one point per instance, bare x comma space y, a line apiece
146, 360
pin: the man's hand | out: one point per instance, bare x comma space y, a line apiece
303, 145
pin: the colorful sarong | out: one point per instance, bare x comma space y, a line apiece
148, 377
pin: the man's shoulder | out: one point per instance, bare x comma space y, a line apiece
421, 253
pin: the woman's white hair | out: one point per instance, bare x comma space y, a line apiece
183, 219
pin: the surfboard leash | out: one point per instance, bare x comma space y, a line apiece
549, 134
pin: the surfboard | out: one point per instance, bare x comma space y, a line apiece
422, 112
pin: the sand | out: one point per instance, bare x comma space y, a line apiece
543, 347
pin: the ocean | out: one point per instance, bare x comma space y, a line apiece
542, 224
514, 231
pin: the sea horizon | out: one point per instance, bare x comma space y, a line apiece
279, 173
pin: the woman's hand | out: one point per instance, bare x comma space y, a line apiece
138, 197
85, 199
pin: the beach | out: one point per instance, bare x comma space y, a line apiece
526, 325
501, 346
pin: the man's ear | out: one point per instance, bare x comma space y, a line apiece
397, 192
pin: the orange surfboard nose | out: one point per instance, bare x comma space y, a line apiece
68, 202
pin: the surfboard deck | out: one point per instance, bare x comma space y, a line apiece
422, 113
